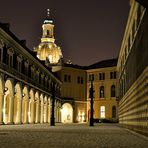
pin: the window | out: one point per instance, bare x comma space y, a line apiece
81, 80
113, 75
102, 111
102, 92
67, 78
101, 76
78, 80
91, 77
114, 112
113, 91
10, 60
47, 32
10, 53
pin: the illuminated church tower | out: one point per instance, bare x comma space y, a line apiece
47, 50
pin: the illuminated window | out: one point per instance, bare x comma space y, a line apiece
102, 92
102, 111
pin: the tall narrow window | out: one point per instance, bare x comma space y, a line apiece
10, 60
65, 78
101, 76
113, 91
114, 112
47, 32
102, 111
81, 80
78, 80
69, 78
102, 92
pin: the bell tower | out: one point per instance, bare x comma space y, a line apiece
47, 50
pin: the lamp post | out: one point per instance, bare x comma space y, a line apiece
52, 121
91, 95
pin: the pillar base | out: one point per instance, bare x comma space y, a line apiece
52, 122
1, 123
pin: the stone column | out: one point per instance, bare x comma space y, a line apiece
32, 111
11, 106
19, 110
1, 107
41, 115
26, 110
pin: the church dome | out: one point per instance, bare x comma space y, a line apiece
47, 49
50, 52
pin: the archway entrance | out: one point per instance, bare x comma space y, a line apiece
7, 104
67, 113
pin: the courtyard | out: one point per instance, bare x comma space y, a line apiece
69, 136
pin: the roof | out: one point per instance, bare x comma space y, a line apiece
75, 66
5, 27
100, 64
103, 64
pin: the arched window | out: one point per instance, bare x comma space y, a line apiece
102, 92
113, 91
48, 32
114, 112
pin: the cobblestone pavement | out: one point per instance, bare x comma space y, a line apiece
69, 136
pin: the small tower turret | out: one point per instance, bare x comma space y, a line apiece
47, 50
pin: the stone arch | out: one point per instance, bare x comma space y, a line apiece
25, 98
8, 102
67, 113
17, 103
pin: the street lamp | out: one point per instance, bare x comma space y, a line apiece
91, 95
52, 123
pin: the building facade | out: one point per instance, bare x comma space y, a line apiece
133, 70
25, 83
104, 77
36, 84
75, 92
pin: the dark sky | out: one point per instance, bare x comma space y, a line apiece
86, 30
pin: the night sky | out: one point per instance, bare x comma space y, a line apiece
87, 31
